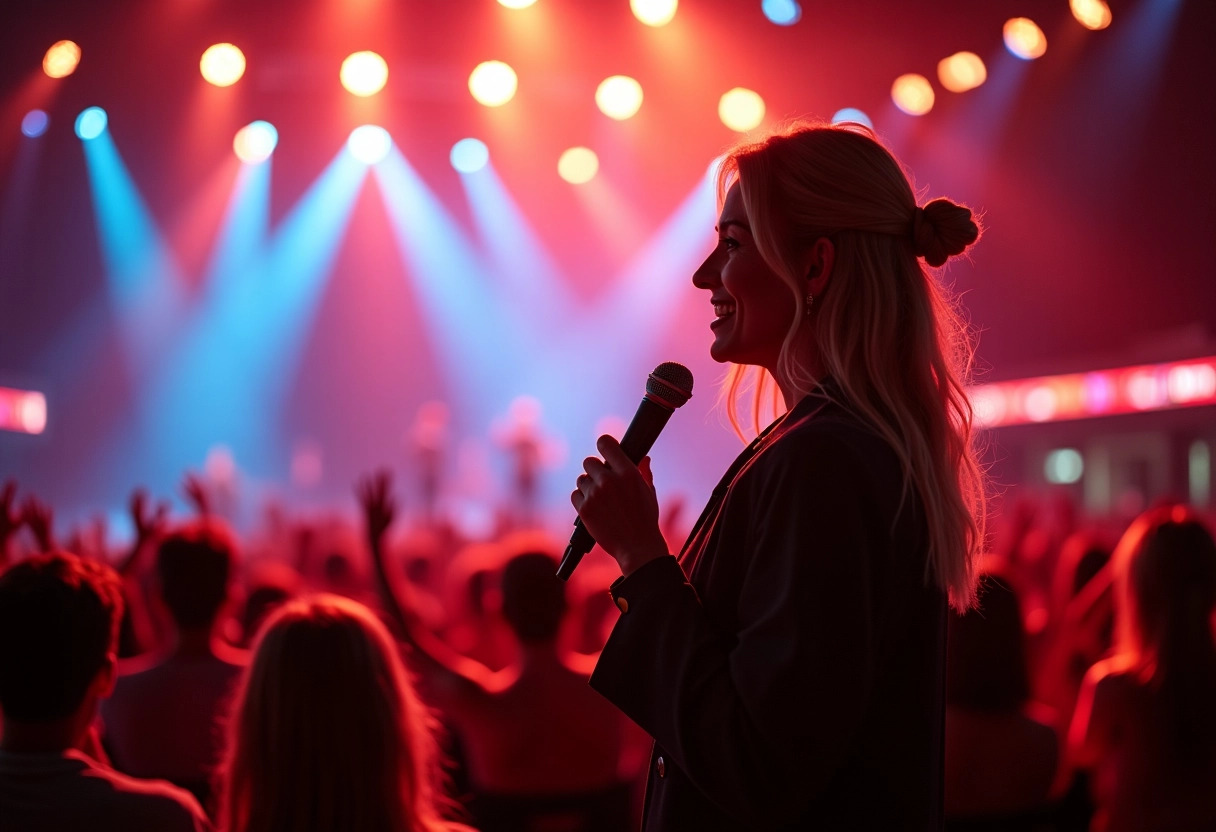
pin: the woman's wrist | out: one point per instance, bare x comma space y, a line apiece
633, 559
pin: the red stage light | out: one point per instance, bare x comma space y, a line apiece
23, 411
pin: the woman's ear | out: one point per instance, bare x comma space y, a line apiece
820, 258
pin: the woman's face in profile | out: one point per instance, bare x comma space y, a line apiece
753, 307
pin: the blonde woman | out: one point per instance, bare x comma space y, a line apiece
789, 662
327, 734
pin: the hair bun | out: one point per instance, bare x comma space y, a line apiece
942, 229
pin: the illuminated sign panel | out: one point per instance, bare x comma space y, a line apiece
1098, 393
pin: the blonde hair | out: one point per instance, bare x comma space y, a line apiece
326, 732
882, 328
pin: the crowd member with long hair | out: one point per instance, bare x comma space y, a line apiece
991, 720
1145, 723
327, 733
789, 663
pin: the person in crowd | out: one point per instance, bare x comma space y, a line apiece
270, 585
327, 732
991, 720
542, 749
474, 628
1145, 722
789, 663
162, 720
59, 620
1082, 623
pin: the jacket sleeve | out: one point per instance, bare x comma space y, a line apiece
760, 718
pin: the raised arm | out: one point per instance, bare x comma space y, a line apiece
196, 494
431, 656
40, 518
149, 524
10, 520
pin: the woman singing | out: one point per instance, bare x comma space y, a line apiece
789, 663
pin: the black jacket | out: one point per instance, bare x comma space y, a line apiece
794, 680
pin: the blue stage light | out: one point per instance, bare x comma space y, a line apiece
255, 142
782, 12
852, 114
34, 124
369, 144
470, 155
91, 123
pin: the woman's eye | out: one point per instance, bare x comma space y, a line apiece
730, 243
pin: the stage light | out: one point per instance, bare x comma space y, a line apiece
32, 413
854, 115
619, 97
1040, 403
516, 4
578, 165
913, 94
1063, 466
1145, 389
654, 12
369, 144
1191, 383
989, 404
34, 124
1092, 14
222, 65
61, 59
469, 155
741, 109
782, 12
255, 142
962, 71
364, 73
493, 83
1024, 38
91, 123
23, 411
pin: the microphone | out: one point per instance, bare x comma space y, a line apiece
668, 387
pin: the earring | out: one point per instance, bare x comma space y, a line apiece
810, 301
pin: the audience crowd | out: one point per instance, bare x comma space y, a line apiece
356, 671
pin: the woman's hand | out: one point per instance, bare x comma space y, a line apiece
617, 503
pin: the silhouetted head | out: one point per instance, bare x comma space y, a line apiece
327, 732
986, 652
59, 619
1165, 573
533, 597
270, 586
194, 565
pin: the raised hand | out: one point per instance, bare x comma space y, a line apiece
379, 509
149, 522
11, 518
40, 518
196, 493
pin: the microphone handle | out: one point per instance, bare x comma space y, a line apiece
645, 428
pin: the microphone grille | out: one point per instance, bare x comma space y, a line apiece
671, 382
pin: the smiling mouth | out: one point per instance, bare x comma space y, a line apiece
723, 310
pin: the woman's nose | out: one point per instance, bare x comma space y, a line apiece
706, 275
